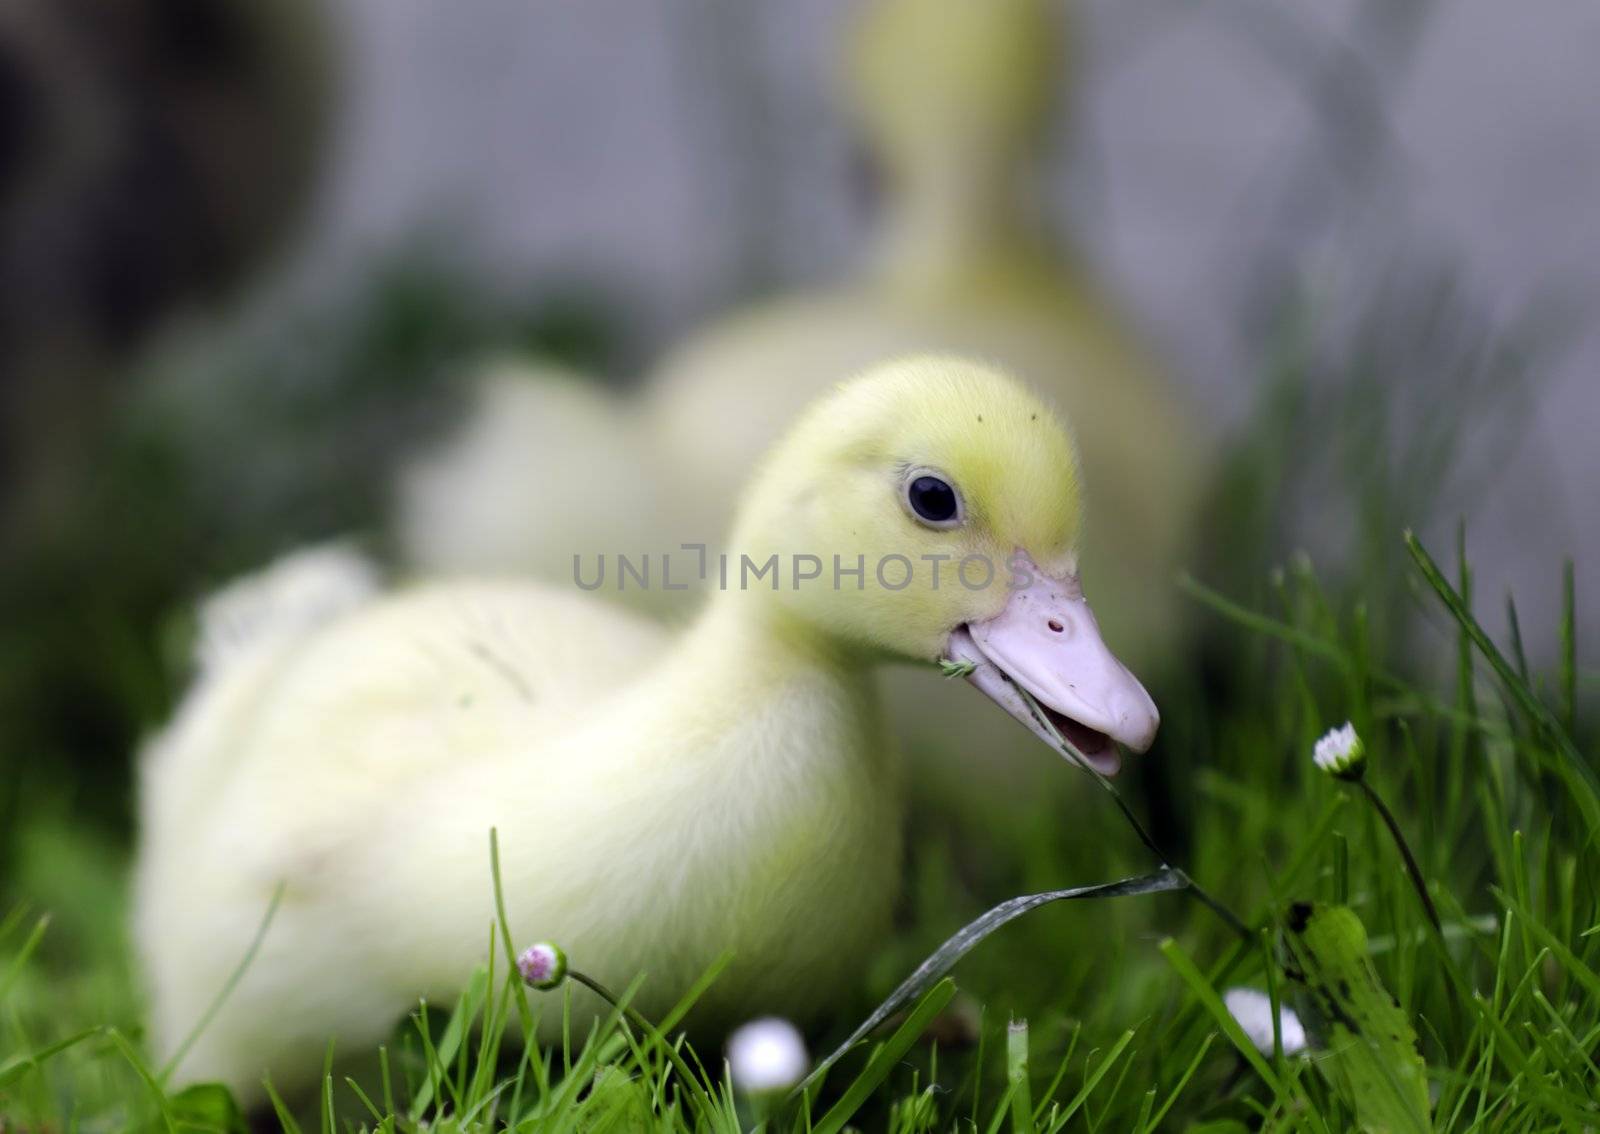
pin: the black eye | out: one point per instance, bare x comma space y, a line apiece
932, 499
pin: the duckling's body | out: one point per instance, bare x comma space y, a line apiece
658, 802
368, 759
468, 506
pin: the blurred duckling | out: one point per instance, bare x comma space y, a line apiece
954, 96
548, 465
658, 801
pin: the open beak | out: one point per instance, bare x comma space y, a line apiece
1046, 641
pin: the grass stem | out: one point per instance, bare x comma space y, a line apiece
691, 1081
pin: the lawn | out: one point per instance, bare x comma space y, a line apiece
1102, 1013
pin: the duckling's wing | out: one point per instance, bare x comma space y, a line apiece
302, 737
299, 740
244, 631
289, 598
456, 671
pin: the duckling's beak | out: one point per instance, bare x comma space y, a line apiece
1047, 641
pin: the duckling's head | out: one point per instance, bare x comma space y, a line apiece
931, 509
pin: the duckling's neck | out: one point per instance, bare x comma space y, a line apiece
746, 647
953, 215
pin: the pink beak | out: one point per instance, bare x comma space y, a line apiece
1047, 641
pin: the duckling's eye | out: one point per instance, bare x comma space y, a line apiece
933, 500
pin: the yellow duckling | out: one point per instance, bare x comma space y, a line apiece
465, 505
658, 802
954, 95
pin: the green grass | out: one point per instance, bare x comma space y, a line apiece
1098, 1015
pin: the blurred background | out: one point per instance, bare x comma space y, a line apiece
251, 255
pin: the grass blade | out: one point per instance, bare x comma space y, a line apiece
21, 960
1535, 709
1017, 1075
453, 1041
884, 1059
19, 1065
1195, 979
1094, 1078
226, 990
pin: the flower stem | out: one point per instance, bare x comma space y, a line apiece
1412, 868
690, 1081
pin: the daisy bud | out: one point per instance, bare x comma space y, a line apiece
767, 1055
1341, 754
1252, 1011
543, 965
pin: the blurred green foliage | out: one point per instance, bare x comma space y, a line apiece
230, 445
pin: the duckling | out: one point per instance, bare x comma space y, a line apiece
659, 800
954, 95
464, 505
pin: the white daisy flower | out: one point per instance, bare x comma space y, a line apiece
1252, 1011
543, 965
1341, 754
767, 1055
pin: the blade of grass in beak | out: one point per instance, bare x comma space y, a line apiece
1145, 837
